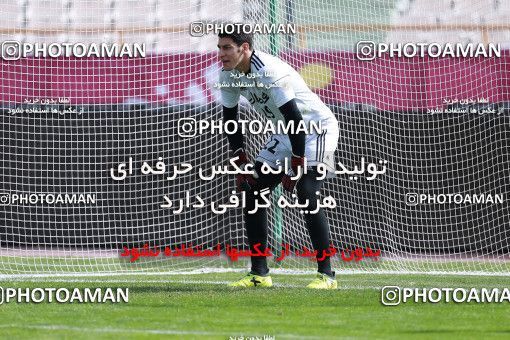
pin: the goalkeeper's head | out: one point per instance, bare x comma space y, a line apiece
235, 50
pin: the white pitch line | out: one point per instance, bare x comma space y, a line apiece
209, 270
275, 284
147, 331
223, 283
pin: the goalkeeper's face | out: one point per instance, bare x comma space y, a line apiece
233, 56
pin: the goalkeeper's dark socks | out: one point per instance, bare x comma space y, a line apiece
324, 267
259, 269
259, 265
256, 229
317, 223
331, 274
253, 272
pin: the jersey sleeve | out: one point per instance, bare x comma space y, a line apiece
229, 95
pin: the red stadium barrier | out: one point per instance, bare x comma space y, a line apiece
387, 84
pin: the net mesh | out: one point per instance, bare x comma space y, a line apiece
66, 121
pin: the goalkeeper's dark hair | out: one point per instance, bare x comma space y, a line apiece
239, 37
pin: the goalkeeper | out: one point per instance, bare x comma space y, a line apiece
284, 97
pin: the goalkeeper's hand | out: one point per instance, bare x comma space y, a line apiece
289, 180
244, 182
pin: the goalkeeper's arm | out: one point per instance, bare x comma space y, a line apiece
235, 140
291, 112
244, 182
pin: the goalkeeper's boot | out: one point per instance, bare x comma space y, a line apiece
253, 280
323, 281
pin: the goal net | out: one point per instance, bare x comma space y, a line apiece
95, 160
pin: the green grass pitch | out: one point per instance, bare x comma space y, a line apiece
201, 306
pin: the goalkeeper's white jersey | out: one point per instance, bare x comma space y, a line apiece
270, 84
